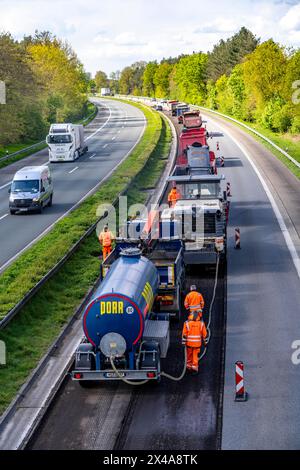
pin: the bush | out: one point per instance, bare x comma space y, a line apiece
295, 129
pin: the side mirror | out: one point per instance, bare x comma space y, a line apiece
9, 191
43, 190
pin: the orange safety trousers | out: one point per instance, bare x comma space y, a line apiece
106, 250
192, 362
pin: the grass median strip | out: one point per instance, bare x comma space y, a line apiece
29, 334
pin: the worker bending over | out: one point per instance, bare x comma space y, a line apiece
173, 196
194, 331
106, 238
194, 301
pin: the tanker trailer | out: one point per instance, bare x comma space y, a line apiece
118, 323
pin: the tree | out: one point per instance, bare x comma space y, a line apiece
148, 79
190, 78
161, 80
101, 80
227, 54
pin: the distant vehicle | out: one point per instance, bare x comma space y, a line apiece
66, 142
158, 107
180, 110
171, 106
192, 119
105, 92
31, 189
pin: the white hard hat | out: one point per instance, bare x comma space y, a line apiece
193, 287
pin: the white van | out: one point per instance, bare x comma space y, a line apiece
31, 189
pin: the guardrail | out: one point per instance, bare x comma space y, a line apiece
32, 147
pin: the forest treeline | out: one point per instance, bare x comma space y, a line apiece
45, 82
241, 77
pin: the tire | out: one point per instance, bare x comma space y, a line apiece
12, 211
50, 201
40, 209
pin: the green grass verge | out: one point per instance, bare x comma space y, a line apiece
16, 147
282, 140
29, 335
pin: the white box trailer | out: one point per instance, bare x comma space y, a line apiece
66, 142
105, 92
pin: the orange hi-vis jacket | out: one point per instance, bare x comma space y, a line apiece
105, 238
194, 330
194, 301
173, 196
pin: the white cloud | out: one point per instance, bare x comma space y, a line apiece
109, 35
291, 20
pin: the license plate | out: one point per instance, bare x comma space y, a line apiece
113, 375
23, 209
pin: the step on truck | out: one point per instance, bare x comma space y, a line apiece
66, 142
127, 322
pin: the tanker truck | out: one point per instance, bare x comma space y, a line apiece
125, 337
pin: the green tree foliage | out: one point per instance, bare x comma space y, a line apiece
189, 78
45, 82
101, 80
22, 90
148, 79
227, 54
131, 79
161, 80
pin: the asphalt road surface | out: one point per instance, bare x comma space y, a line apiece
111, 136
262, 314
263, 303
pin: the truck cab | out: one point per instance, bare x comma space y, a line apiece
66, 142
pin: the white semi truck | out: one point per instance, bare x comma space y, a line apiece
66, 142
105, 92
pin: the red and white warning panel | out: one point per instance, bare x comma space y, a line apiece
237, 239
240, 393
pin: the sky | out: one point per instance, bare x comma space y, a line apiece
110, 34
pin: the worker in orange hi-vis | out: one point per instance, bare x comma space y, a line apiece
194, 301
106, 238
173, 196
194, 331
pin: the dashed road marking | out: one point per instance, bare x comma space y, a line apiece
74, 169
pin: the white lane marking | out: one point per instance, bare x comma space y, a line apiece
288, 240
103, 125
3, 216
113, 138
5, 185
74, 169
92, 156
2, 268
104, 146
119, 132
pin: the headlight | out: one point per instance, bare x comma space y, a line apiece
11, 198
35, 199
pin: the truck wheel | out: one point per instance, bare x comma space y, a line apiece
50, 201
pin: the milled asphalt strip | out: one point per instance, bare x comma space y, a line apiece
287, 237
25, 415
5, 265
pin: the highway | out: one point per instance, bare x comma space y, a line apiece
255, 319
111, 136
